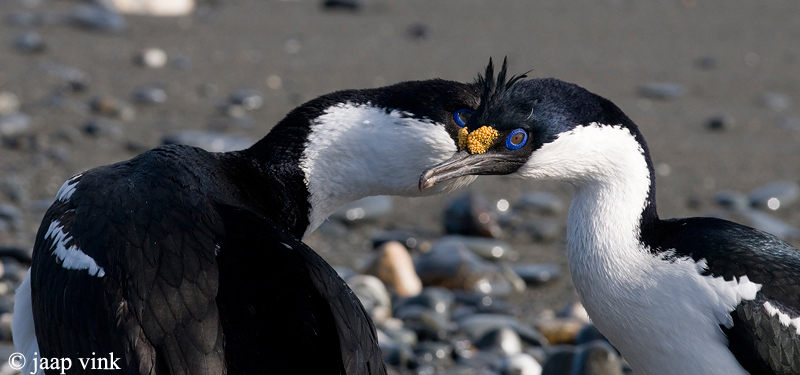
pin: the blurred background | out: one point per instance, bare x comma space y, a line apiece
713, 85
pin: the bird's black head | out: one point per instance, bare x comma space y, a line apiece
516, 118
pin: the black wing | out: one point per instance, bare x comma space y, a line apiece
284, 309
153, 306
761, 342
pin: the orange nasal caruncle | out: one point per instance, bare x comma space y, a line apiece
478, 141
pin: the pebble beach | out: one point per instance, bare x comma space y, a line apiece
472, 282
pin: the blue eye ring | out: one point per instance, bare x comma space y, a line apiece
516, 132
457, 116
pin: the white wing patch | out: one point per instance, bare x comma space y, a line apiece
71, 257
66, 190
784, 318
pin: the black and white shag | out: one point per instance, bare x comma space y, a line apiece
182, 261
679, 296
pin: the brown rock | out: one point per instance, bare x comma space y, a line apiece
392, 264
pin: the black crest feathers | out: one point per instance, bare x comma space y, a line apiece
493, 88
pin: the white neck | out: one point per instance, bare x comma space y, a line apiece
355, 151
634, 297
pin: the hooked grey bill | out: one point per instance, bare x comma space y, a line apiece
464, 164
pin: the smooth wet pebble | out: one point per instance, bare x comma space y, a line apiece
542, 229
9, 103
504, 340
408, 239
452, 265
158, 8
373, 295
661, 90
364, 209
426, 322
210, 141
775, 195
471, 214
77, 79
789, 123
596, 358
29, 42
477, 325
151, 58
774, 100
247, 98
349, 5
732, 200
23, 19
14, 124
541, 202
439, 300
520, 364
12, 216
97, 18
720, 122
559, 330
392, 264
112, 107
486, 248
589, 333
102, 127
150, 95
559, 360
536, 274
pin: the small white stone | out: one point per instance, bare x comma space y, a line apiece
152, 58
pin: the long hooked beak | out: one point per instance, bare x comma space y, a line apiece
463, 164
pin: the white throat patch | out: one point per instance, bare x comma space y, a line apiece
355, 151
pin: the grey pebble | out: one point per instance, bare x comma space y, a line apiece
29, 42
365, 209
707, 62
102, 127
14, 124
789, 123
182, 61
542, 202
732, 200
559, 360
209, 141
12, 216
150, 95
151, 58
596, 358
439, 353
486, 248
542, 230
471, 214
9, 103
426, 322
15, 187
774, 100
23, 19
536, 274
408, 239
112, 107
394, 353
97, 18
661, 90
477, 325
451, 264
350, 5
77, 79
247, 98
775, 195
373, 296
720, 122
439, 300
589, 333
520, 364
503, 340
419, 31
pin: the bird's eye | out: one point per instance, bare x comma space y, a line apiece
516, 139
462, 116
